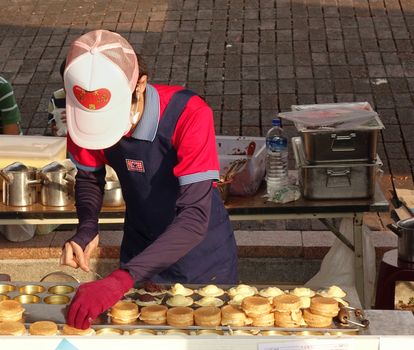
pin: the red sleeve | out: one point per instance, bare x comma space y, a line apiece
195, 141
85, 159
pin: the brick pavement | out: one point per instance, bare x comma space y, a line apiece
248, 58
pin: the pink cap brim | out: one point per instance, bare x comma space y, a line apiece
97, 129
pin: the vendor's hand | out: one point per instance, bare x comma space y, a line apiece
73, 255
93, 298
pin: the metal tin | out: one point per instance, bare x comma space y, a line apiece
6, 288
27, 299
109, 331
209, 332
341, 332
32, 289
61, 289
356, 145
308, 333
335, 180
241, 332
142, 331
176, 332
273, 332
57, 299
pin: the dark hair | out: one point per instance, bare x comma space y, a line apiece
143, 70
142, 66
62, 67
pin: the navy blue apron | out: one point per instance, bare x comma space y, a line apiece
150, 198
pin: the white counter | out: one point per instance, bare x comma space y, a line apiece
388, 329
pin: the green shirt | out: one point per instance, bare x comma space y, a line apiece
9, 111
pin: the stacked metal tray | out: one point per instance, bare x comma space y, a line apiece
48, 301
340, 180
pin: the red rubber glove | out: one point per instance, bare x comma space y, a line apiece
93, 298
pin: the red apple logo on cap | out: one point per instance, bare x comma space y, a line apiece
92, 100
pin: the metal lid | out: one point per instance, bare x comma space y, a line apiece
53, 167
17, 166
407, 224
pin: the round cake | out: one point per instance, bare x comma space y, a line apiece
46, 328
286, 303
290, 319
316, 321
180, 316
124, 312
271, 292
154, 314
10, 310
323, 306
68, 330
12, 328
210, 290
255, 306
233, 316
179, 289
209, 301
264, 320
242, 289
180, 300
207, 316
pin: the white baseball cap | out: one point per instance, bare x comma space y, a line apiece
100, 76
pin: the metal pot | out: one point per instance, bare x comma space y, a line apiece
113, 194
19, 185
404, 229
56, 185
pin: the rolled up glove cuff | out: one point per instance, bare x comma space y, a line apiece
124, 279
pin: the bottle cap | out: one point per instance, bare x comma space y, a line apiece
276, 122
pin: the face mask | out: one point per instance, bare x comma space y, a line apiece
134, 118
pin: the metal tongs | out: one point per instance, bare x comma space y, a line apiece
234, 168
344, 316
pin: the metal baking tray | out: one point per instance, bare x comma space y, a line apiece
37, 300
337, 180
41, 300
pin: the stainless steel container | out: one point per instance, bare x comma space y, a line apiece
19, 185
56, 184
334, 180
404, 229
113, 194
324, 145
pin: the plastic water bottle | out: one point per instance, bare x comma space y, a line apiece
276, 158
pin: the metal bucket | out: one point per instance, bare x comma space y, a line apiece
56, 182
113, 194
19, 185
404, 229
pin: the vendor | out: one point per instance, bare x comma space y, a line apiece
10, 125
9, 110
160, 141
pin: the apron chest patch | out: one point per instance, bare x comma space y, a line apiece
135, 165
